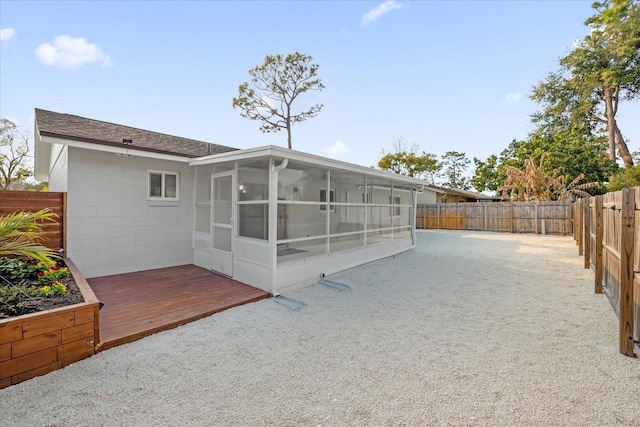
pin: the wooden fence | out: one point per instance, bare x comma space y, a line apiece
606, 229
54, 233
512, 217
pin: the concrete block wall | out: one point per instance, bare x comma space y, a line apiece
111, 226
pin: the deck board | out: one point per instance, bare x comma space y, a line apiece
143, 303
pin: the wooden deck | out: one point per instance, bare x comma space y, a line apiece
143, 303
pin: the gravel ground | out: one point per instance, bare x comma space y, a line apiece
468, 329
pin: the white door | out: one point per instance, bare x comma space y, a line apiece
222, 223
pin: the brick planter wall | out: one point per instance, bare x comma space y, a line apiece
37, 343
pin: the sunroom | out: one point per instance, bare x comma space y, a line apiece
279, 219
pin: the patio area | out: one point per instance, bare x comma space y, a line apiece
143, 303
469, 329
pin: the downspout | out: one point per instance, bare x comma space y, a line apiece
414, 237
273, 224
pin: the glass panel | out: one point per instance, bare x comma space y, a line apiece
406, 196
222, 238
253, 180
379, 217
301, 182
252, 191
395, 201
348, 186
376, 237
222, 202
346, 219
323, 199
203, 184
223, 167
341, 243
203, 199
155, 185
380, 192
299, 250
203, 216
254, 221
170, 185
303, 221
283, 218
404, 216
401, 234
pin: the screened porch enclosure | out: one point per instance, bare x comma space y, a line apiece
322, 211
295, 217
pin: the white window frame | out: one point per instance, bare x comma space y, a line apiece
163, 187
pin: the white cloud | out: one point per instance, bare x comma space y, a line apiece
7, 34
70, 53
338, 148
514, 97
375, 13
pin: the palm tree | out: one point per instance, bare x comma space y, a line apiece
20, 234
534, 183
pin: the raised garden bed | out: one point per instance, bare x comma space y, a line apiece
37, 343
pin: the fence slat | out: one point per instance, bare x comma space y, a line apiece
598, 242
54, 233
626, 272
517, 217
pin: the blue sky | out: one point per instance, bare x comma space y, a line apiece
446, 75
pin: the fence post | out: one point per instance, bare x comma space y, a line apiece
484, 216
626, 272
511, 217
438, 217
424, 220
587, 232
464, 216
580, 226
574, 216
64, 223
598, 242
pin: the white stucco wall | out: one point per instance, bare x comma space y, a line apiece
111, 226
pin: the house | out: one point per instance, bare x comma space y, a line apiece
270, 217
456, 195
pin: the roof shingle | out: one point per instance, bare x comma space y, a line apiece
68, 126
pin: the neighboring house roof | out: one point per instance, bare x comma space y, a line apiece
76, 128
470, 195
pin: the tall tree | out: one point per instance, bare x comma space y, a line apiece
408, 161
14, 150
572, 150
454, 165
275, 85
488, 174
601, 70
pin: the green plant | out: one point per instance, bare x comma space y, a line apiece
51, 272
20, 233
17, 292
627, 178
14, 268
57, 288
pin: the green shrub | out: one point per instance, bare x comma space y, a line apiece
15, 269
18, 292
